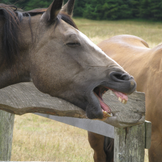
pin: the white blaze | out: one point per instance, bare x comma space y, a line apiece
96, 47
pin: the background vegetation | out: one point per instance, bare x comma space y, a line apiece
40, 139
104, 9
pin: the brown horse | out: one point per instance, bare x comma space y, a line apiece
144, 63
47, 48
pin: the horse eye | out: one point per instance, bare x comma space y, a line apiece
73, 44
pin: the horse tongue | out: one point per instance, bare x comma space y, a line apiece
121, 97
104, 106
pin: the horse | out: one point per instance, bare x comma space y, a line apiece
46, 47
135, 56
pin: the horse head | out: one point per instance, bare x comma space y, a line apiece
63, 62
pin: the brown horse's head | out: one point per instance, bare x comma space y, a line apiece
63, 62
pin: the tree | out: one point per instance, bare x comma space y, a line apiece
116, 9
145, 9
135, 8
155, 9
79, 8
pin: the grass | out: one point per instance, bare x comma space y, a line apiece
100, 30
40, 139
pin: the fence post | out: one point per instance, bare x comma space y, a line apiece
6, 134
129, 144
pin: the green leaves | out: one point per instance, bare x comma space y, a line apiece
103, 9
28, 4
119, 9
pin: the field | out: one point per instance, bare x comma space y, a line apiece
40, 139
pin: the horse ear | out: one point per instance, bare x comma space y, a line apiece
53, 10
68, 7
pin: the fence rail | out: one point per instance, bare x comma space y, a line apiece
25, 98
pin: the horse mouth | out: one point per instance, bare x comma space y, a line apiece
106, 110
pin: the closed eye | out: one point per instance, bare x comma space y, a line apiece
73, 44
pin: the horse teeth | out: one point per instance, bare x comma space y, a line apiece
106, 114
120, 99
124, 101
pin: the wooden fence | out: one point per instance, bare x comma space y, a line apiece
131, 132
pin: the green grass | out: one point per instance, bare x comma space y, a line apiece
40, 139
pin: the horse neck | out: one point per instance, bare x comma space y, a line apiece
146, 66
18, 70
155, 58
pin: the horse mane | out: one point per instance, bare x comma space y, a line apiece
12, 17
67, 19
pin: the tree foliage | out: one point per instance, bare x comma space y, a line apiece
103, 9
119, 9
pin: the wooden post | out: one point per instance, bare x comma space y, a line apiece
148, 128
129, 144
6, 134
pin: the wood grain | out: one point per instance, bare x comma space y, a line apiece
26, 98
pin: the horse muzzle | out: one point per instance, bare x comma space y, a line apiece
121, 84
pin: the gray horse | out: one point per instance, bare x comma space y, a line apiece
48, 49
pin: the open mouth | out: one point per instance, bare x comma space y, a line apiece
99, 91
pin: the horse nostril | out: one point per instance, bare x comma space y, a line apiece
124, 77
118, 76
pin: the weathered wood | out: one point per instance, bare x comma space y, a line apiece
6, 133
148, 127
129, 144
25, 98
129, 114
